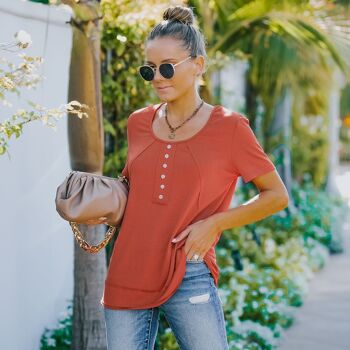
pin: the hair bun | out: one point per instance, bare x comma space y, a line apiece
179, 13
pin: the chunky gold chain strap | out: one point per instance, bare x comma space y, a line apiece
80, 237
85, 245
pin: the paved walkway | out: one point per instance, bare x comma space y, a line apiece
323, 322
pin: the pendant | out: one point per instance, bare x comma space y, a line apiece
172, 135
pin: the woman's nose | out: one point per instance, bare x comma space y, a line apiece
157, 75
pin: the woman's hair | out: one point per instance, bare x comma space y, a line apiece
178, 23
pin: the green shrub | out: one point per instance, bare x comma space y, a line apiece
265, 267
125, 28
59, 338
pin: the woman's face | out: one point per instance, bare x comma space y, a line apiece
169, 50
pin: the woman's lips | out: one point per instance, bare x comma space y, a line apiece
163, 88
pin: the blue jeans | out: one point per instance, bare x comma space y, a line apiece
194, 313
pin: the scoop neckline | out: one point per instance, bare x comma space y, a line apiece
179, 141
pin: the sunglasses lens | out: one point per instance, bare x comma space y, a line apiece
166, 70
146, 73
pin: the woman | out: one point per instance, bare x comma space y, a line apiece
184, 159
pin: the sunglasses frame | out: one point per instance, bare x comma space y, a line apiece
154, 69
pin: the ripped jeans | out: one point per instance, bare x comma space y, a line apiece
194, 313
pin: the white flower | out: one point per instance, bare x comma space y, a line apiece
23, 39
121, 38
250, 326
52, 126
45, 119
279, 292
263, 289
270, 246
7, 83
51, 342
255, 304
21, 112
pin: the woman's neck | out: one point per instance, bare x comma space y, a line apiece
181, 108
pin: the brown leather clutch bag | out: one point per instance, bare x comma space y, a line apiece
85, 196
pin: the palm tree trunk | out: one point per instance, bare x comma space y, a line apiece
86, 148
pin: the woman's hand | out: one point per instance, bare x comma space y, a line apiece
200, 237
101, 220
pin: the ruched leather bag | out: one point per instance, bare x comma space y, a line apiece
85, 196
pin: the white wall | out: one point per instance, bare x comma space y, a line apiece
36, 244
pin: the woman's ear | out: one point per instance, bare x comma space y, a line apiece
200, 65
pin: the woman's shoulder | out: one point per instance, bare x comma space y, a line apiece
139, 115
138, 112
230, 116
143, 111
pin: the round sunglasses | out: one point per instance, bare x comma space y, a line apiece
167, 70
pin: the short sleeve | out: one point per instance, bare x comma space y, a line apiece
248, 157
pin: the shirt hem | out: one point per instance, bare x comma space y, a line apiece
162, 300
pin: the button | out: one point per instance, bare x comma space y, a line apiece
162, 186
165, 165
167, 155
168, 146
160, 196
162, 176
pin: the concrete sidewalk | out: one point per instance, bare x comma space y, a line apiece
323, 322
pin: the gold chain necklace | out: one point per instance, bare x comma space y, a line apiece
172, 134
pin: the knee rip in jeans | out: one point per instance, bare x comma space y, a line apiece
200, 299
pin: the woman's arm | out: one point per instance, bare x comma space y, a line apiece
272, 197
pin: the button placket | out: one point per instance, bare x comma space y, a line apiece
163, 174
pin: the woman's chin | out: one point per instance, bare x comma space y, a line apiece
166, 98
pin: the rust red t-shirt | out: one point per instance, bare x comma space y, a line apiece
172, 185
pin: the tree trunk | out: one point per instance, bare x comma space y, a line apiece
89, 274
86, 148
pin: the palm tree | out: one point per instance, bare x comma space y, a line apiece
86, 148
292, 48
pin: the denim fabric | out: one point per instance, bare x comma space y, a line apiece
194, 313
